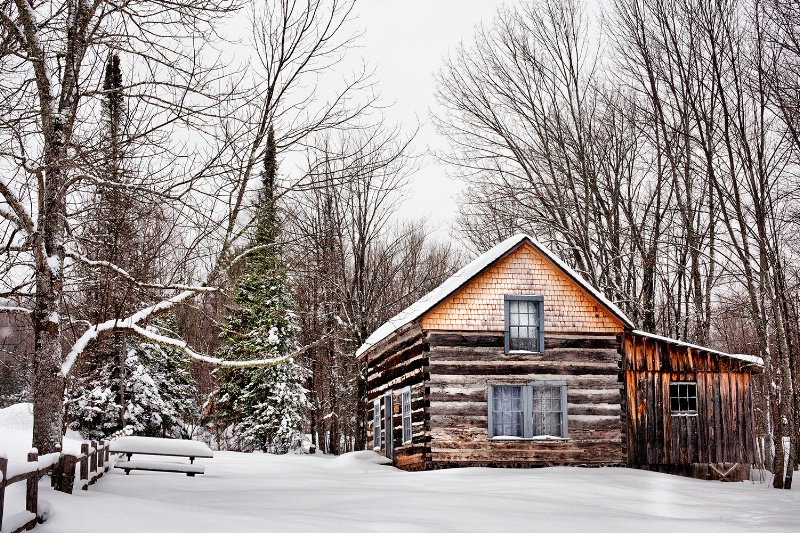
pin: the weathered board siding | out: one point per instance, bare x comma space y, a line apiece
721, 433
463, 364
395, 363
478, 306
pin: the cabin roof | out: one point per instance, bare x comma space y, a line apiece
753, 359
470, 272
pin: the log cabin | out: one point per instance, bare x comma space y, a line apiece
516, 361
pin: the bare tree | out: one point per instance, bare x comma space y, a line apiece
198, 130
355, 268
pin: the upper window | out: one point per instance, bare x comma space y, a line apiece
406, 403
683, 398
538, 409
524, 324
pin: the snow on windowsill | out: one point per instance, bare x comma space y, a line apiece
538, 437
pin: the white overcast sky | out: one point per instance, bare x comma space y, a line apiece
405, 41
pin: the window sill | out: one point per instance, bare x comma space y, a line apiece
541, 438
683, 414
523, 352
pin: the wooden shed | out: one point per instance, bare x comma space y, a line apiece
516, 361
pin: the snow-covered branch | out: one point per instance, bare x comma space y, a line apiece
12, 309
108, 327
122, 272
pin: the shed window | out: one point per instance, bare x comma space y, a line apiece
524, 323
538, 409
683, 398
376, 424
406, 403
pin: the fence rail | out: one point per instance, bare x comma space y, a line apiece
94, 459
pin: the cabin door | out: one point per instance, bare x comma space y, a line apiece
387, 425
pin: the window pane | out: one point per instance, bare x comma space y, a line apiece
547, 411
507, 411
683, 398
524, 325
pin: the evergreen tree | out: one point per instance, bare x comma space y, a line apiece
159, 393
264, 407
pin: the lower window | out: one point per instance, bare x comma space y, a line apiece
537, 409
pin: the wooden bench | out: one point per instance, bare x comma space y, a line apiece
162, 447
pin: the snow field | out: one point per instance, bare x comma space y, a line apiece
355, 493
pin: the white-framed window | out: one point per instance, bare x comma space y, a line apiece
524, 323
406, 412
683, 398
376, 424
527, 411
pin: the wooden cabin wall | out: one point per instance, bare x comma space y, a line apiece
396, 363
463, 364
722, 432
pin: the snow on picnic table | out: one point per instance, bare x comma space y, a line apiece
156, 446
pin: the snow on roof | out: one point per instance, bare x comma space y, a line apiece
466, 274
743, 357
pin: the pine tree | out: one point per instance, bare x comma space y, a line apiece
159, 391
263, 407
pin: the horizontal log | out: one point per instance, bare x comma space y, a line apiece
528, 368
557, 355
385, 348
593, 382
487, 340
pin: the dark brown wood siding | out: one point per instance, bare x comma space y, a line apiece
721, 433
398, 362
463, 365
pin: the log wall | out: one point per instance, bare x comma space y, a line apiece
719, 436
395, 363
463, 364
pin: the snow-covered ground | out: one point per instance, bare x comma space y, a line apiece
308, 493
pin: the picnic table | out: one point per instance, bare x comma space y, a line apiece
129, 446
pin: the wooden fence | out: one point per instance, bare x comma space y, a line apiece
90, 465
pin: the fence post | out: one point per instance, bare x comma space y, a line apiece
100, 455
57, 469
68, 474
93, 463
84, 464
32, 492
3, 471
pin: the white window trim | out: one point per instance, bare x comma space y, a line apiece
406, 415
527, 408
376, 425
696, 399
